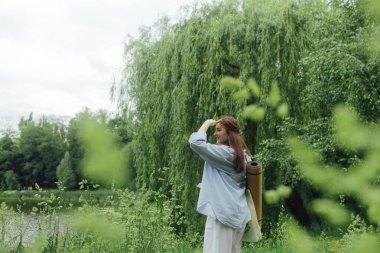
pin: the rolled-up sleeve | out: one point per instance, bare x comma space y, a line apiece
216, 155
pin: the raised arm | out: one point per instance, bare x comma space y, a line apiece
205, 126
218, 156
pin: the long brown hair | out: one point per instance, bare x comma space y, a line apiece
235, 141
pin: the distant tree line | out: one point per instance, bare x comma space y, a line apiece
46, 152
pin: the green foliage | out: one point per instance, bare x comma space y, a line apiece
373, 8
125, 222
282, 111
254, 112
75, 145
231, 83
34, 156
10, 181
41, 148
104, 162
332, 212
299, 240
357, 182
9, 164
338, 69
173, 80
274, 96
273, 196
360, 139
312, 52
98, 227
253, 87
65, 173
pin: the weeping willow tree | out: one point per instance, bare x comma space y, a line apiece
311, 49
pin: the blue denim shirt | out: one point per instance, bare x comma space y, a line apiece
222, 194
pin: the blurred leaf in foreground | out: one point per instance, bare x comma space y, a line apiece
231, 83
350, 133
253, 87
97, 226
331, 211
374, 212
274, 95
367, 243
284, 191
282, 110
254, 112
37, 246
299, 241
104, 161
242, 95
271, 196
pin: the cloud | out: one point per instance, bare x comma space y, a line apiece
58, 56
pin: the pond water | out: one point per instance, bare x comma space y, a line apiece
16, 227
26, 218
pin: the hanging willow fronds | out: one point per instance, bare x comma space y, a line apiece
173, 72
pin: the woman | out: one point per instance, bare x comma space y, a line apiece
222, 195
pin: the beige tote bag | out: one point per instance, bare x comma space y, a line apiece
252, 231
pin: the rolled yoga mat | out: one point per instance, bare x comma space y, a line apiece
254, 173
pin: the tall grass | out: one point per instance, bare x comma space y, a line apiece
142, 221
129, 222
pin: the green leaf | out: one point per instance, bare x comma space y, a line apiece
366, 242
271, 196
284, 191
242, 95
274, 95
253, 87
299, 241
104, 161
97, 226
231, 83
282, 110
374, 212
331, 211
350, 132
254, 112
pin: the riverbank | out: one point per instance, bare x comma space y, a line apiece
124, 221
26, 200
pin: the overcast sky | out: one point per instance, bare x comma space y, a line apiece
59, 56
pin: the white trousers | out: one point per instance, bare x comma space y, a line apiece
220, 238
